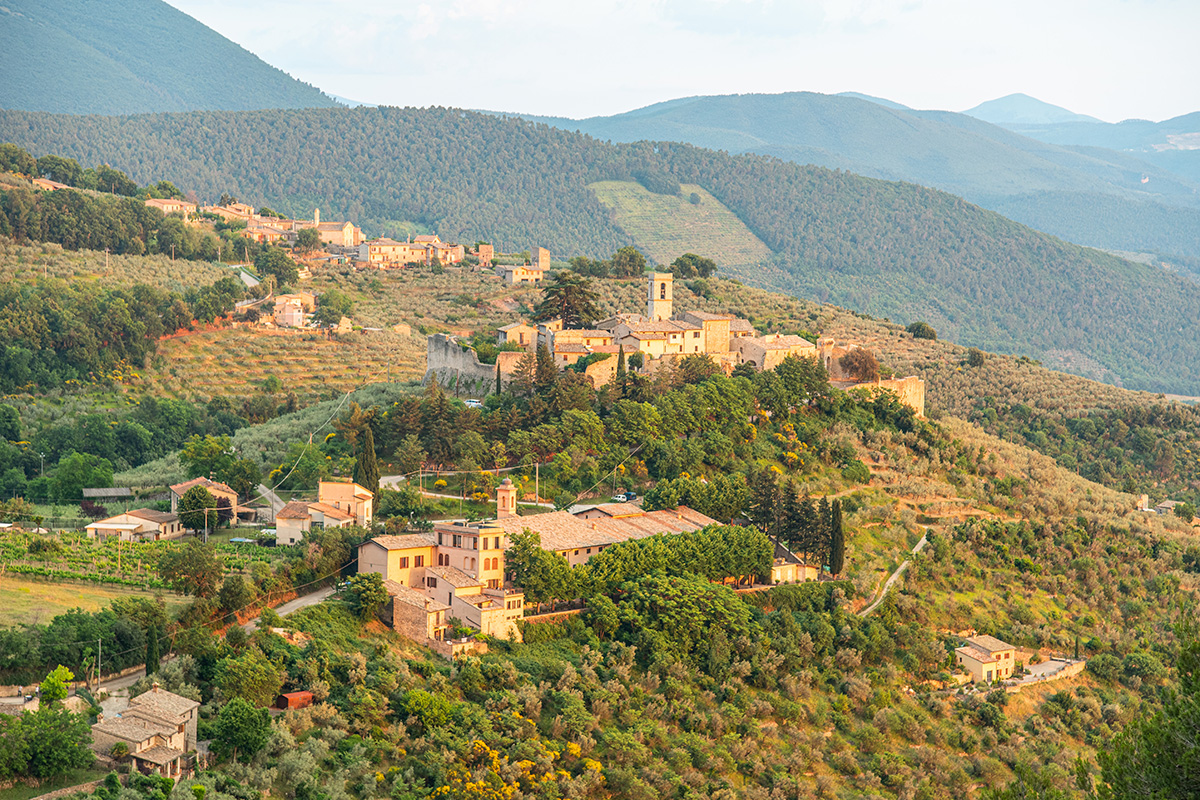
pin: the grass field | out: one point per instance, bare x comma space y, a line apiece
667, 226
23, 601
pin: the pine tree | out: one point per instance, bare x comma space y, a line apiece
152, 651
366, 466
837, 539
764, 499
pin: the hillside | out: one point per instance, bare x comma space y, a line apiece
961, 154
130, 57
890, 249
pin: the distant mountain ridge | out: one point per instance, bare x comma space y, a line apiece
129, 57
1025, 110
1044, 185
890, 249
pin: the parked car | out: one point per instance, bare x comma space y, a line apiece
474, 403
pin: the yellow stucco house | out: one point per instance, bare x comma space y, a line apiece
986, 658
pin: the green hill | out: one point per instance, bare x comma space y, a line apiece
889, 249
1021, 108
131, 56
984, 163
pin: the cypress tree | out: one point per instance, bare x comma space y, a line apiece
808, 528
837, 539
499, 386
621, 375
366, 466
823, 533
152, 651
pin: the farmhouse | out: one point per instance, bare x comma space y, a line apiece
158, 728
298, 518
172, 206
139, 525
986, 658
215, 488
349, 497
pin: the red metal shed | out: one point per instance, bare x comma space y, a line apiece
294, 700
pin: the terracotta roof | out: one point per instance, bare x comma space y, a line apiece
606, 348
977, 654
740, 325
454, 576
570, 347
330, 511
707, 316
412, 597
589, 333
297, 509
516, 325
159, 755
161, 517
989, 644
644, 335
405, 542
661, 326
561, 530
164, 702
181, 488
617, 509
785, 343
426, 238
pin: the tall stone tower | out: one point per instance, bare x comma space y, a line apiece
660, 296
506, 499
316, 216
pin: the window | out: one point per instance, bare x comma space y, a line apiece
695, 334
474, 543
403, 562
576, 552
418, 561
431, 581
662, 291
472, 563
440, 539
589, 551
456, 540
497, 543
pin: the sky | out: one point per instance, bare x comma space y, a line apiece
1111, 59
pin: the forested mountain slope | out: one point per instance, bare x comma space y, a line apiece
1049, 187
131, 56
890, 249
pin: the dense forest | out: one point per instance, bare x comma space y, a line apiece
889, 249
131, 56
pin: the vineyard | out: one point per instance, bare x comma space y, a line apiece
73, 557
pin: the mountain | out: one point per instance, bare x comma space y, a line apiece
1024, 110
129, 57
883, 101
1172, 145
1047, 186
888, 249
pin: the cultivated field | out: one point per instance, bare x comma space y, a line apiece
667, 226
27, 263
37, 602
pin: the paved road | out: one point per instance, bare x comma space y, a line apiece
275, 500
392, 481
1041, 671
295, 605
899, 573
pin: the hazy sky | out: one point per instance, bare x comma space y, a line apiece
1113, 59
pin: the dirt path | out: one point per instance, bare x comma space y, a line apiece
895, 576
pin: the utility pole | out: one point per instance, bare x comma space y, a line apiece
99, 653
537, 482
172, 252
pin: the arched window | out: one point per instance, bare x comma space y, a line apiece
662, 291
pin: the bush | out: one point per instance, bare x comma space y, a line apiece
856, 472
922, 330
1104, 666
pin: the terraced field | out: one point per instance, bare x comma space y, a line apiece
27, 263
235, 361
666, 226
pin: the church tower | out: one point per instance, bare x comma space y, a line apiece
659, 296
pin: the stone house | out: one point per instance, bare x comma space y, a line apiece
986, 658
768, 352
158, 728
172, 206
517, 333
139, 525
522, 274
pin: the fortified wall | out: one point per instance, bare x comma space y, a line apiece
910, 391
452, 364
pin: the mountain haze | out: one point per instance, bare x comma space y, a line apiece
1043, 185
131, 56
1026, 110
885, 248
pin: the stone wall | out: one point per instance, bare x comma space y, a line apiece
457, 367
910, 390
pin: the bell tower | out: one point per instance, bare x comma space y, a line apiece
660, 296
